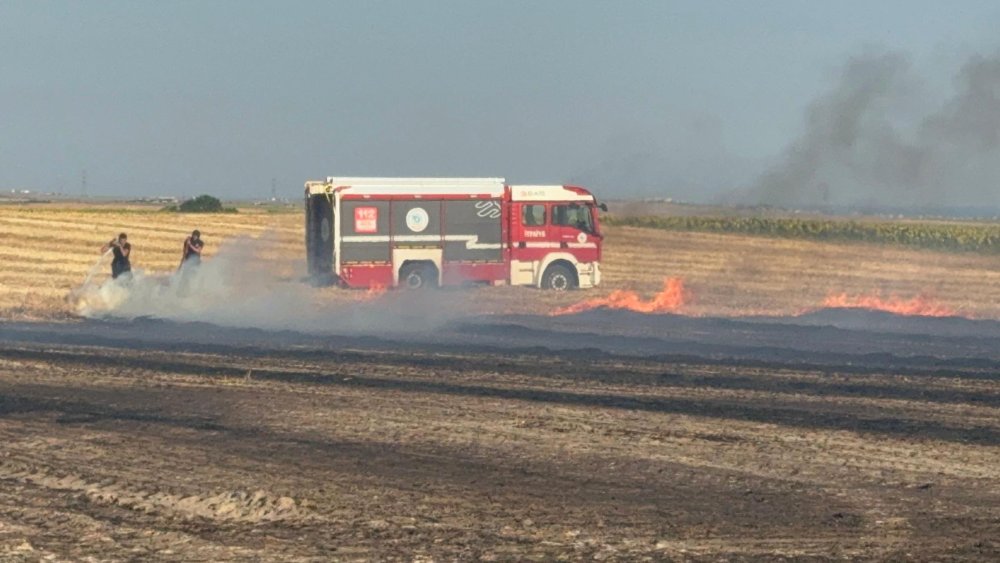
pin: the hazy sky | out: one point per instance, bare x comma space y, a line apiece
678, 99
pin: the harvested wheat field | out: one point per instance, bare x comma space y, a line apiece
273, 421
48, 250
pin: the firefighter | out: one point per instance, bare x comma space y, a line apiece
121, 265
191, 255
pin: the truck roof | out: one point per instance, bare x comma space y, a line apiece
492, 187
535, 192
379, 186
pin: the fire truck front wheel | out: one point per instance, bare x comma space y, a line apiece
558, 277
417, 275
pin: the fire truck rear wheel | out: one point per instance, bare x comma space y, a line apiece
558, 278
417, 276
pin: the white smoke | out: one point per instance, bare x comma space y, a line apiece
238, 287
93, 271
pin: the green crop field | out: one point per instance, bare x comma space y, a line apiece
960, 236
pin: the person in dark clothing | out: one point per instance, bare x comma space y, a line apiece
121, 264
191, 255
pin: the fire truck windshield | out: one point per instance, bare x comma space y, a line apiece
574, 215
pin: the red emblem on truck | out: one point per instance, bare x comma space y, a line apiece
366, 220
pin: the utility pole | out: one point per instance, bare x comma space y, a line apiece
83, 184
274, 189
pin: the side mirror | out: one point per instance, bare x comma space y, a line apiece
603, 207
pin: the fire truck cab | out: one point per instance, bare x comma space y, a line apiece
420, 232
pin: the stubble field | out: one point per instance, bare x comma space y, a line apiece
504, 434
48, 249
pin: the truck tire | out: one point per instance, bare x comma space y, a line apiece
417, 276
319, 237
558, 278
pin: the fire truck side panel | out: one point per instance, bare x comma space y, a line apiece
416, 223
462, 238
367, 275
364, 232
416, 234
472, 231
457, 273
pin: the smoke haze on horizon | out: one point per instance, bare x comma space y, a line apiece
863, 144
701, 102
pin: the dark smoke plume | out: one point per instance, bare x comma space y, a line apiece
858, 149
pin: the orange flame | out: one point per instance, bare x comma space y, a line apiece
921, 306
668, 300
373, 292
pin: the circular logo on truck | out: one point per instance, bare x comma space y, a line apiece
581, 238
417, 219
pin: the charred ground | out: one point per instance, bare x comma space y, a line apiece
511, 438
475, 426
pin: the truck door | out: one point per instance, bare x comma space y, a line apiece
529, 225
572, 224
529, 241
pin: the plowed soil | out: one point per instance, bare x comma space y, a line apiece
513, 438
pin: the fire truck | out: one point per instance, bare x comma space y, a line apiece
427, 232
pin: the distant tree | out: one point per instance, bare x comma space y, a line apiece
201, 204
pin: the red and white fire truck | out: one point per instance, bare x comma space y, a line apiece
422, 232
